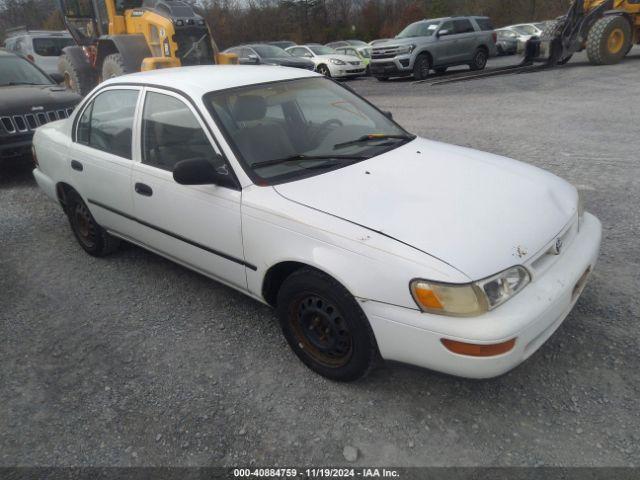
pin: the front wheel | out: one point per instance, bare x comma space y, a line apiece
421, 67
324, 70
325, 326
609, 39
92, 237
479, 59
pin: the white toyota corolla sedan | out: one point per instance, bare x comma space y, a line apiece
368, 241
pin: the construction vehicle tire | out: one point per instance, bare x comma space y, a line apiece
113, 66
551, 33
77, 76
609, 40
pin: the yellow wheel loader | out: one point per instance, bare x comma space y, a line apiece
115, 37
606, 29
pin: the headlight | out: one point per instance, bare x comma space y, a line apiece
471, 299
335, 61
406, 49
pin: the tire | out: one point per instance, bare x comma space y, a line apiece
479, 59
113, 66
608, 40
92, 237
421, 67
325, 326
78, 78
324, 70
628, 49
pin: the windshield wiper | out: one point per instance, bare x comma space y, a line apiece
308, 158
372, 137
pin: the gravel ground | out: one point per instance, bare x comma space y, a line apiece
133, 360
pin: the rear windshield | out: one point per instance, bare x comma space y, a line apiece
51, 46
484, 24
18, 71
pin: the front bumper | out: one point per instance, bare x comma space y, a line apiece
342, 71
531, 317
16, 146
397, 66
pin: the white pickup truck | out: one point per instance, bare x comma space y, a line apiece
369, 241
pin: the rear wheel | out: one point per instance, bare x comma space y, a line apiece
479, 59
77, 77
325, 326
92, 237
113, 66
421, 67
609, 40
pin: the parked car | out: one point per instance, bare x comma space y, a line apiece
29, 98
525, 31
42, 47
506, 42
328, 62
364, 54
264, 54
435, 45
367, 240
283, 44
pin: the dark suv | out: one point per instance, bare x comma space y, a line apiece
435, 45
28, 98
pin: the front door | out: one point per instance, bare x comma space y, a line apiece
199, 226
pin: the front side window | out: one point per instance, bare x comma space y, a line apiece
287, 130
171, 133
322, 50
107, 122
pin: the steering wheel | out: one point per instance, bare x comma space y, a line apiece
324, 128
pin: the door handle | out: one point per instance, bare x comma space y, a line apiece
76, 165
143, 189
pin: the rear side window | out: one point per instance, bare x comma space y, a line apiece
463, 26
171, 133
484, 24
50, 47
107, 123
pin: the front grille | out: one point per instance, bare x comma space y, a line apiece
384, 52
23, 123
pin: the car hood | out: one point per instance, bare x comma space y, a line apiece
29, 98
478, 212
339, 56
397, 42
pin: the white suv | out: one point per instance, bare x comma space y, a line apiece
41, 47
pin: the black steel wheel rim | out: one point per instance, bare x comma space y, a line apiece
424, 68
481, 59
321, 331
84, 225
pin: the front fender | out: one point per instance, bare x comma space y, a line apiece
369, 265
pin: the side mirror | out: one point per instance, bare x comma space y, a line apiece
200, 171
444, 33
387, 114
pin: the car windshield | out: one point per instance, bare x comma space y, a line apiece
287, 130
419, 29
18, 71
51, 46
525, 29
269, 51
320, 50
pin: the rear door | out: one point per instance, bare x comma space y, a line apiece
465, 40
199, 226
100, 158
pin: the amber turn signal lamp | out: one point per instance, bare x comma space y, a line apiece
429, 299
474, 350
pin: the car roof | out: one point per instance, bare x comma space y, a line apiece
197, 80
